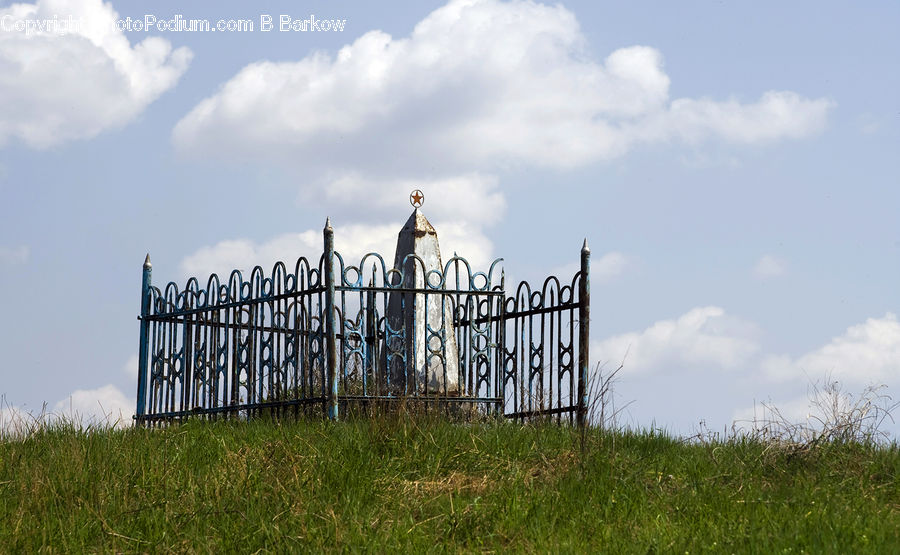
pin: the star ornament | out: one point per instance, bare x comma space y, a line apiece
417, 198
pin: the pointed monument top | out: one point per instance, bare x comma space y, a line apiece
419, 224
585, 248
328, 223
147, 261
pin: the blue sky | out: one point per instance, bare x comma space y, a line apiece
733, 166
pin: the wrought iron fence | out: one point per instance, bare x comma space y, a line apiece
320, 339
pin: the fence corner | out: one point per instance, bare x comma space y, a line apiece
143, 354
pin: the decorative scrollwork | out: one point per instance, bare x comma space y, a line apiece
252, 341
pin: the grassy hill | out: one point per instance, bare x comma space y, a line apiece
415, 484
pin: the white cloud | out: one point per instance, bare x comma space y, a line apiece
244, 254
478, 84
352, 242
777, 115
769, 266
459, 208
13, 256
828, 407
58, 87
794, 410
103, 406
867, 353
702, 338
472, 198
15, 422
608, 266
130, 367
663, 361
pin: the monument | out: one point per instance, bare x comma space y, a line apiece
421, 324
312, 335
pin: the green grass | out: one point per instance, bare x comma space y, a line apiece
424, 485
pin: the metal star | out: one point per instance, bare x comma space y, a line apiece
417, 198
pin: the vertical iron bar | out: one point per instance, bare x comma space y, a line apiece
584, 319
187, 366
330, 354
140, 410
371, 337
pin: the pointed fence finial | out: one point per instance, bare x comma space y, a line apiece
585, 248
147, 261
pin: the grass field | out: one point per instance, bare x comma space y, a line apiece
424, 485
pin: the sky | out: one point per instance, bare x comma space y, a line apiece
733, 166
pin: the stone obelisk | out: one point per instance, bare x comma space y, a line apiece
426, 320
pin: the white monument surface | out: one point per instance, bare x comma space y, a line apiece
436, 367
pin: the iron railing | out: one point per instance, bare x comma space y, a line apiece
323, 338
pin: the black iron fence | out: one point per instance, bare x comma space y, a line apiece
321, 338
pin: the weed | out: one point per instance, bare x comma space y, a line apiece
835, 416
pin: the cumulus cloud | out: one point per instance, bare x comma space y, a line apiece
103, 406
478, 87
13, 256
769, 266
794, 410
352, 242
478, 84
867, 353
702, 338
707, 364
608, 266
473, 198
60, 86
776, 115
130, 367
15, 422
459, 207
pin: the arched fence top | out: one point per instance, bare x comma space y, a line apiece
456, 274
299, 335
173, 300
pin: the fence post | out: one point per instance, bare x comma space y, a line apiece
584, 332
143, 353
371, 341
500, 349
330, 339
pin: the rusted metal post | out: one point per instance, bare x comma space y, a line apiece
584, 332
330, 337
143, 350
